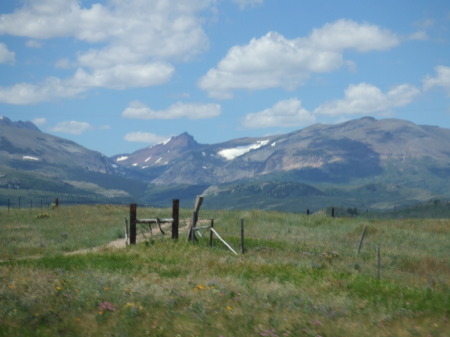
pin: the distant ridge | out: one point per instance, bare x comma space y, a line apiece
359, 148
365, 162
35, 163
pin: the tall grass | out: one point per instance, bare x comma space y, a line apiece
301, 276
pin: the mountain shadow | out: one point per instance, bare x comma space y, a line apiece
344, 160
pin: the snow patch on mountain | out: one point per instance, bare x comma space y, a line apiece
232, 153
166, 141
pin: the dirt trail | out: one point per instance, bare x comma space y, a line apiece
116, 244
121, 243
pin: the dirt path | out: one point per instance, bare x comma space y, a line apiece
116, 244
122, 243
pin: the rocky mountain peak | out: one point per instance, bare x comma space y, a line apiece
184, 140
5, 121
160, 154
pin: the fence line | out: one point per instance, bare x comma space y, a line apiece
174, 220
29, 203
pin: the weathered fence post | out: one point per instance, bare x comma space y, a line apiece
191, 230
363, 234
211, 232
133, 224
127, 235
307, 211
175, 217
332, 212
242, 237
198, 204
56, 202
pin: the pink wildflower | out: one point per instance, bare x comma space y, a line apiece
107, 306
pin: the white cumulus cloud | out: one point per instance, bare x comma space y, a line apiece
275, 61
6, 56
133, 42
139, 110
143, 137
162, 28
39, 121
364, 98
442, 79
72, 127
348, 34
29, 93
123, 76
285, 113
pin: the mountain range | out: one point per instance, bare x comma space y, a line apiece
362, 163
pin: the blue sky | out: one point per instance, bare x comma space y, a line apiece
116, 76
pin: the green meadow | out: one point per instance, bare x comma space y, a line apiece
300, 276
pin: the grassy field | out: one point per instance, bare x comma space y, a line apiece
300, 276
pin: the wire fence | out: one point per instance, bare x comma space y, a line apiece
29, 203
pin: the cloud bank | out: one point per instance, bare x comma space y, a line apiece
143, 137
274, 61
139, 110
134, 43
360, 99
6, 56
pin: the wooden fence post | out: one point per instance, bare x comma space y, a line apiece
211, 232
307, 211
194, 223
198, 204
133, 224
332, 212
242, 237
127, 234
175, 217
361, 240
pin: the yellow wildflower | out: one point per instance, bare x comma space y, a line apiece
133, 306
229, 308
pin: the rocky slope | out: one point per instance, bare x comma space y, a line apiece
343, 152
31, 159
